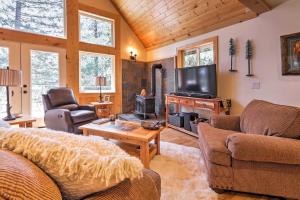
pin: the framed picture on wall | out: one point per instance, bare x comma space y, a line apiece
290, 54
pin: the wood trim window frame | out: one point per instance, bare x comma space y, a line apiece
73, 46
181, 50
116, 96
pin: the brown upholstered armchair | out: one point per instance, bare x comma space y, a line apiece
63, 113
257, 152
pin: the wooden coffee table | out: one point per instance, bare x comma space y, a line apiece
23, 121
128, 132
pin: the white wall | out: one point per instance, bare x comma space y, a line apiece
265, 32
128, 37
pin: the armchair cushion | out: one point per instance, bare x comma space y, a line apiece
82, 116
61, 96
213, 142
87, 107
227, 122
69, 107
260, 148
264, 118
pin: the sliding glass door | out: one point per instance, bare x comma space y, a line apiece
43, 68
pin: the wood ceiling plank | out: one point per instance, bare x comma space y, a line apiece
257, 6
182, 16
185, 24
157, 22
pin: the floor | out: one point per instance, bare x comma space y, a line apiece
174, 136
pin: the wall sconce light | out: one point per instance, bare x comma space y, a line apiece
133, 54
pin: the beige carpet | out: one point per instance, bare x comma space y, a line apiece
182, 171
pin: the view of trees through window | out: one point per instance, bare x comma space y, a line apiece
204, 55
190, 58
44, 76
93, 65
36, 16
3, 64
96, 30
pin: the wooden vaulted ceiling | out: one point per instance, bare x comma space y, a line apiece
161, 22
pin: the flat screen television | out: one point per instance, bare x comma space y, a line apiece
200, 81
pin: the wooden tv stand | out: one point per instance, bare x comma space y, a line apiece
213, 105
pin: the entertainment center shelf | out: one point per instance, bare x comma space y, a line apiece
214, 105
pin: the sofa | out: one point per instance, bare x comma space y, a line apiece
21, 179
63, 113
257, 152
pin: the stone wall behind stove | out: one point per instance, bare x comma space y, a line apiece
134, 79
137, 76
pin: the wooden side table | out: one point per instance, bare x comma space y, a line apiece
23, 122
103, 109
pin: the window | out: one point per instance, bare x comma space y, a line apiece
96, 30
93, 65
35, 16
203, 55
190, 58
206, 54
3, 65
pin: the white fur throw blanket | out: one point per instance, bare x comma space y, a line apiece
80, 165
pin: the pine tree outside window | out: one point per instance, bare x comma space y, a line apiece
96, 29
93, 65
45, 17
4, 63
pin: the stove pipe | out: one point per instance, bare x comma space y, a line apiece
154, 67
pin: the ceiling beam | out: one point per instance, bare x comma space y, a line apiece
257, 6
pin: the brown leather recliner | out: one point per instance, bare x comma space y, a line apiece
63, 113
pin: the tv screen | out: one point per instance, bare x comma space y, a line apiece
199, 80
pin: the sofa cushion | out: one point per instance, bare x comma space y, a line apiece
82, 116
21, 179
80, 165
213, 142
261, 117
148, 187
61, 96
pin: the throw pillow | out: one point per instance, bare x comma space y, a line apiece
80, 165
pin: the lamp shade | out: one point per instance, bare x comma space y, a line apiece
101, 81
10, 77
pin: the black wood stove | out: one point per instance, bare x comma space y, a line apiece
146, 105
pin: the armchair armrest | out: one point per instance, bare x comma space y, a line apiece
59, 119
87, 107
227, 122
261, 148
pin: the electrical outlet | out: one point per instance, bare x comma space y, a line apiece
256, 85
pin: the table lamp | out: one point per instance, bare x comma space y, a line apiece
10, 78
100, 81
